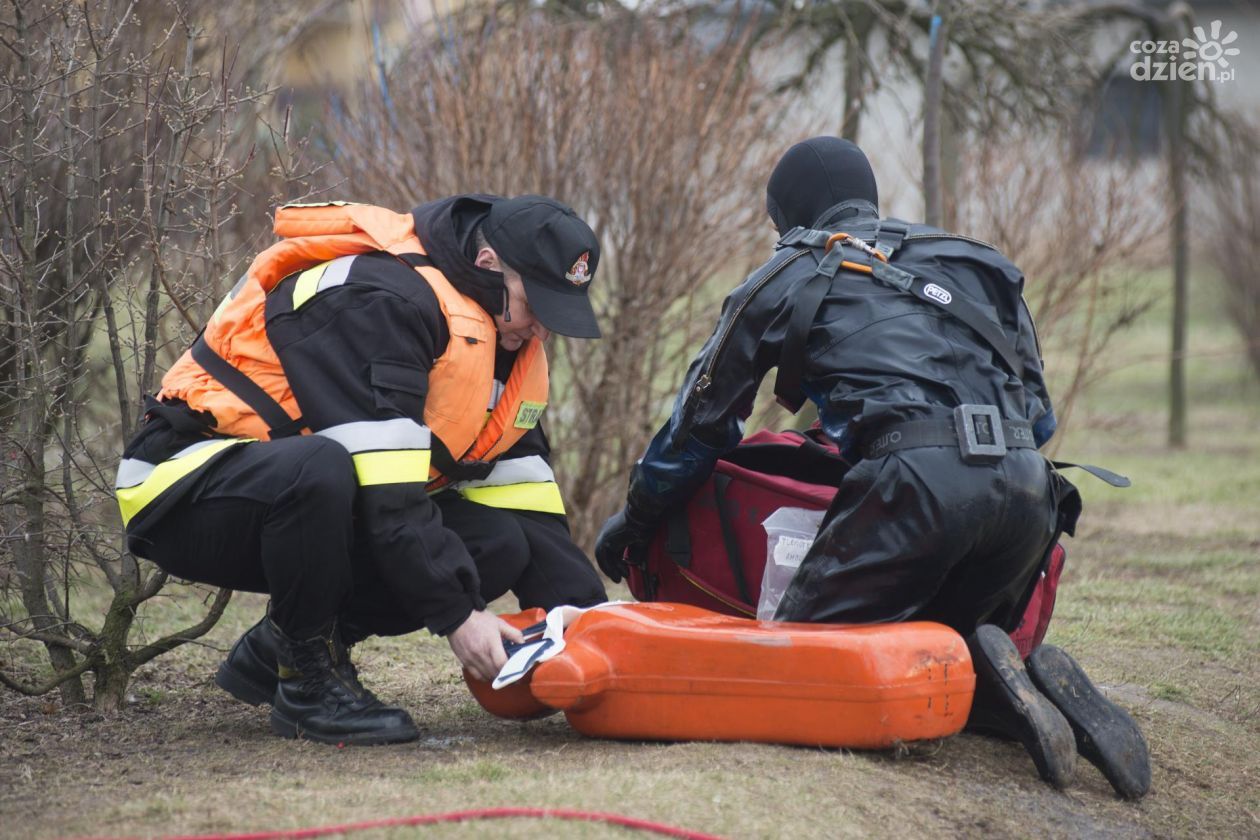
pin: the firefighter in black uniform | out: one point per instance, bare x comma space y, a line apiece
389, 356
919, 352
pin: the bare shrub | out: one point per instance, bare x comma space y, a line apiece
660, 142
1086, 233
122, 163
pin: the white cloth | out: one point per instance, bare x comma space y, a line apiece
547, 646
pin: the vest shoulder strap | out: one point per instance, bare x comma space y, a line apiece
250, 392
809, 297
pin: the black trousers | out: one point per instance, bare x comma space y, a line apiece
278, 517
921, 535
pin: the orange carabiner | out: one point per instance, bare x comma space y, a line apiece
853, 241
836, 237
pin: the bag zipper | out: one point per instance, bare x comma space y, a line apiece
745, 609
705, 379
958, 236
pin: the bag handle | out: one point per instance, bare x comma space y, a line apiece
721, 482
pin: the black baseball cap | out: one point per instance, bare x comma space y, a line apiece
556, 254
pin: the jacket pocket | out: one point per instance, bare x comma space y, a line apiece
472, 330
400, 387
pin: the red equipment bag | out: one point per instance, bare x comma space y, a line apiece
712, 553
1032, 627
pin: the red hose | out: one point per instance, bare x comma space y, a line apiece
462, 816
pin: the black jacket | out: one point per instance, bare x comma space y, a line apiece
874, 355
343, 352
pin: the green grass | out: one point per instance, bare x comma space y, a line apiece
483, 770
1162, 584
1144, 613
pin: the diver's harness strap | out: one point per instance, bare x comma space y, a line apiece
979, 431
1100, 473
809, 297
958, 306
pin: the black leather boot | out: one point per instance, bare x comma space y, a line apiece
319, 696
1106, 735
1007, 704
249, 672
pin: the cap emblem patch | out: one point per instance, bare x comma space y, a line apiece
580, 273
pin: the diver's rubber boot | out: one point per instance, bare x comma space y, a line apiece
1106, 735
1008, 704
249, 672
319, 696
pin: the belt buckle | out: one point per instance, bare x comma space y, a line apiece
980, 436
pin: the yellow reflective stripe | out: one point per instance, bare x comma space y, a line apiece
308, 284
398, 466
132, 500
542, 496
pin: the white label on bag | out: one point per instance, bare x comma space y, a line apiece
790, 551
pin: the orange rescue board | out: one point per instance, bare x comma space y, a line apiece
665, 671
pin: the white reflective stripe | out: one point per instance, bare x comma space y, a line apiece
530, 469
374, 435
335, 274
133, 471
188, 450
496, 394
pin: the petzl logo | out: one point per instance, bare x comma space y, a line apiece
1205, 57
937, 294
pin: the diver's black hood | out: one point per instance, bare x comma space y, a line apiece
445, 228
814, 176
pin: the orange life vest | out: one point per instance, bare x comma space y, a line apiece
462, 378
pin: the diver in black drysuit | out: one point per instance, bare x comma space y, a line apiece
932, 522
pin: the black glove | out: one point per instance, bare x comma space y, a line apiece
622, 540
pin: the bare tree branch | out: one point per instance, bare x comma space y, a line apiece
56, 681
221, 599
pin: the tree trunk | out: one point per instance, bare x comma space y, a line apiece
855, 76
933, 87
1175, 107
31, 430
110, 692
113, 675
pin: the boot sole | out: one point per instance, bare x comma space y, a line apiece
1106, 735
286, 728
1044, 732
242, 687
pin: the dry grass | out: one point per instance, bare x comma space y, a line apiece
1158, 602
